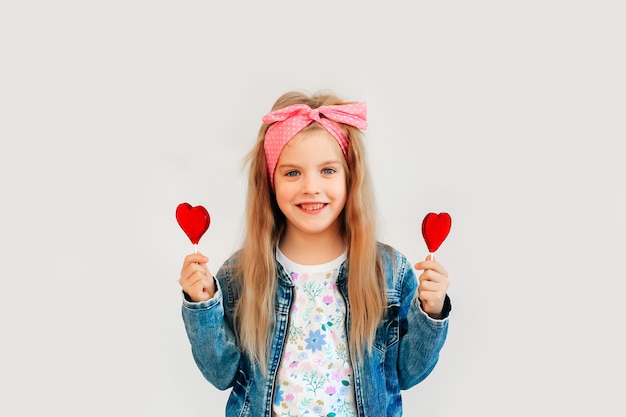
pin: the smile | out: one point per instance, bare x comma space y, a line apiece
312, 206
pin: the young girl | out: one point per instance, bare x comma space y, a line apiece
312, 315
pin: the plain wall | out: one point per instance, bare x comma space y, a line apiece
507, 115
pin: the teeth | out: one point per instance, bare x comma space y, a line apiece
311, 207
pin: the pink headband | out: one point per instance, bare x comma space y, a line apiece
290, 120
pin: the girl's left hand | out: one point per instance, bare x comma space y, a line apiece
433, 285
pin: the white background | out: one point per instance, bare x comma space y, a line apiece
508, 115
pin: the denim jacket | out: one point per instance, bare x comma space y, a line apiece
405, 350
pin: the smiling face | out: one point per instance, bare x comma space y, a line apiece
310, 184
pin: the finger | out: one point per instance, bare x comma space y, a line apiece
194, 258
193, 270
432, 293
193, 286
440, 286
197, 258
433, 287
432, 275
430, 280
427, 263
197, 285
200, 267
430, 265
190, 271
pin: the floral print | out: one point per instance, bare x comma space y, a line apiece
315, 340
315, 376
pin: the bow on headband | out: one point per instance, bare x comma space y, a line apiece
290, 120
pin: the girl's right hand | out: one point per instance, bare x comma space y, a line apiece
195, 278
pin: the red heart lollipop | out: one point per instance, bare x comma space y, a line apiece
435, 228
193, 220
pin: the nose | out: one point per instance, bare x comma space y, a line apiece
311, 184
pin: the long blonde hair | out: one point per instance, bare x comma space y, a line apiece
265, 224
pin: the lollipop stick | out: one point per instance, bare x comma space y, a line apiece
432, 256
195, 248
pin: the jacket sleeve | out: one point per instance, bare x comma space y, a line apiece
212, 339
421, 337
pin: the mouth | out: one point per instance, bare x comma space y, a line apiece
311, 207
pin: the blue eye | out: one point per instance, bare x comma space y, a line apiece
291, 173
328, 171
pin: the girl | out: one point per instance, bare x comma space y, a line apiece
312, 315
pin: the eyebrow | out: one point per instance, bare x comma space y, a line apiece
332, 161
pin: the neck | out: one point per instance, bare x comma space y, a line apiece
312, 249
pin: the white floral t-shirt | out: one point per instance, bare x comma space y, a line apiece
315, 377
